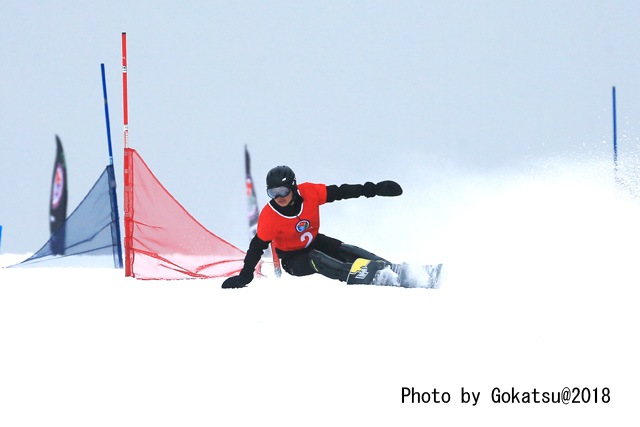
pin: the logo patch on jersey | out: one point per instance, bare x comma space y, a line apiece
302, 225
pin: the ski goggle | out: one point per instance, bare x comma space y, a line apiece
274, 193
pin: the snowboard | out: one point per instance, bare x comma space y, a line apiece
379, 273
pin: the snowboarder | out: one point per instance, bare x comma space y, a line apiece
291, 220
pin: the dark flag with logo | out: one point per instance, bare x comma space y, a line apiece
252, 201
58, 202
254, 211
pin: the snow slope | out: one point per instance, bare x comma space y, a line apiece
540, 293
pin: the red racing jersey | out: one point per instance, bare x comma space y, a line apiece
290, 233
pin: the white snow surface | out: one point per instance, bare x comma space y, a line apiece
540, 292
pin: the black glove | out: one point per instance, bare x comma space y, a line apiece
236, 282
383, 188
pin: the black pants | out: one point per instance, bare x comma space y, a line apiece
326, 255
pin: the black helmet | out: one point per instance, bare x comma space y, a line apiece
281, 176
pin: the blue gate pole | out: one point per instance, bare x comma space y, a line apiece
615, 132
115, 217
106, 113
0, 236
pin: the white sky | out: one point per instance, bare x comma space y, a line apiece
340, 91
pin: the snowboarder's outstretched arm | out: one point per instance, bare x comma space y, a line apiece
256, 249
368, 189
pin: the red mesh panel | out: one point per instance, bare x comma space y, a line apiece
162, 240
